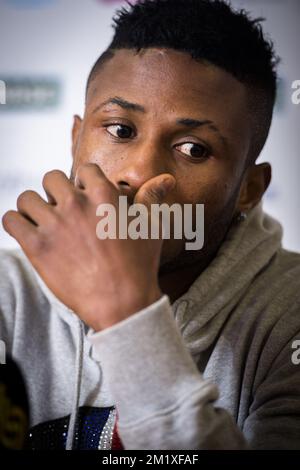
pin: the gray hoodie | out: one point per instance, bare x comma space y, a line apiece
217, 369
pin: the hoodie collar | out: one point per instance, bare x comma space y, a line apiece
248, 247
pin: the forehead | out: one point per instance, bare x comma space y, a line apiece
167, 82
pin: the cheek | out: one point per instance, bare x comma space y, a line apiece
90, 150
210, 188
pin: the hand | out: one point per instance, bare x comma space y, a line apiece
102, 281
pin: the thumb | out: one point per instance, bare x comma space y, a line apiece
155, 190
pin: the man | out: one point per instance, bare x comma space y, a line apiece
142, 343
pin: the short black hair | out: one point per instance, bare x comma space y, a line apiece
210, 31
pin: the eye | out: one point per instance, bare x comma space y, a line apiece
195, 151
119, 130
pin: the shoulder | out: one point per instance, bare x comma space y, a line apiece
274, 301
279, 280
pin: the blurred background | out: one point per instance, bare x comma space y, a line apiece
47, 48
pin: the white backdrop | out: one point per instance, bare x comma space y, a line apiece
47, 48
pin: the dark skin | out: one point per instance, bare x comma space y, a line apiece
152, 153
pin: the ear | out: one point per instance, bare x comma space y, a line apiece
75, 134
254, 185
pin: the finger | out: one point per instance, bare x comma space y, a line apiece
90, 177
57, 186
33, 206
89, 174
18, 227
155, 190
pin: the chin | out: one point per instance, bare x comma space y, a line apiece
170, 253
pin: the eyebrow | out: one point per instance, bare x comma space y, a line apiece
187, 122
122, 103
196, 123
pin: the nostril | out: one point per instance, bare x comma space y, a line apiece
123, 183
126, 190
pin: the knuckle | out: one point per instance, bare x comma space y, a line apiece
86, 170
37, 244
156, 193
72, 201
99, 191
152, 193
90, 169
145, 194
53, 221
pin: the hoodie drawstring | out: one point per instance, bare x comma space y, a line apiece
77, 384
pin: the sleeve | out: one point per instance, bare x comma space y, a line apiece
161, 398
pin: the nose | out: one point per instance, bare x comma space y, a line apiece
138, 167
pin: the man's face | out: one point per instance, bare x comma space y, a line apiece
133, 144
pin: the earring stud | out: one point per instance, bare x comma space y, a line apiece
241, 216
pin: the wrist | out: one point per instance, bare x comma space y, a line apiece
125, 308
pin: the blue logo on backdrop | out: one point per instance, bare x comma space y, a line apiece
29, 3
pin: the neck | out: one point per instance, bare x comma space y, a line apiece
175, 282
